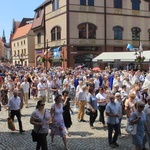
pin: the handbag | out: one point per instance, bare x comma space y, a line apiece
35, 135
88, 111
131, 128
11, 124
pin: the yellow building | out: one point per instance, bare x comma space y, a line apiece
85, 28
22, 45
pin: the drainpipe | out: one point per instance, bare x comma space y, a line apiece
44, 37
105, 27
68, 36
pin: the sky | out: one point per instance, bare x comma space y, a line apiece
17, 10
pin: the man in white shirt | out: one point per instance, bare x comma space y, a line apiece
82, 99
25, 86
42, 87
14, 105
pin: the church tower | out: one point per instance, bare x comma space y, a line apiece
3, 37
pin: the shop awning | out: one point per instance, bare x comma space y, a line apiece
120, 56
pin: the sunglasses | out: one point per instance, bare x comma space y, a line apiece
42, 105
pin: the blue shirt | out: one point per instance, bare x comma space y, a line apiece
14, 103
92, 99
112, 108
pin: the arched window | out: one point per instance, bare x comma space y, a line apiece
55, 34
117, 3
82, 2
135, 4
87, 30
39, 38
55, 5
118, 33
135, 33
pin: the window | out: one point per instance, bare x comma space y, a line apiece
91, 31
39, 38
58, 33
135, 4
17, 43
82, 2
55, 34
21, 42
38, 13
82, 31
14, 53
117, 3
118, 33
18, 53
14, 45
149, 34
87, 30
90, 2
136, 33
55, 5
24, 51
24, 42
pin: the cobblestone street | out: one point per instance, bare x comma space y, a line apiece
82, 136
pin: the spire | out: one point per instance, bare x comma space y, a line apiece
4, 37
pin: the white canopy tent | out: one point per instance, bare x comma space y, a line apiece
120, 56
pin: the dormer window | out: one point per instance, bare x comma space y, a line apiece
38, 13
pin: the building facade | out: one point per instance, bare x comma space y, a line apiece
85, 28
22, 45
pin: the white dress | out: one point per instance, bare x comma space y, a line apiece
59, 127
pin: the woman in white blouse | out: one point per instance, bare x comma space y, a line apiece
102, 101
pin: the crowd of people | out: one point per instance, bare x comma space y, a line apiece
111, 94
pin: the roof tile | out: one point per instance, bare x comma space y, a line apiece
22, 31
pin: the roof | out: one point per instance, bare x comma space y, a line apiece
44, 3
38, 21
15, 25
24, 21
120, 56
22, 31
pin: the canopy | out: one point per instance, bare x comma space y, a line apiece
121, 56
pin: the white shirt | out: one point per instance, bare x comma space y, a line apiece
102, 97
14, 103
96, 83
41, 86
25, 86
82, 96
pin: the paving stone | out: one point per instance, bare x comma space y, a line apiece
82, 136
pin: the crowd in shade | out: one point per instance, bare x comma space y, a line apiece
108, 95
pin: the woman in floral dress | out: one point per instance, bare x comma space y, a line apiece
58, 126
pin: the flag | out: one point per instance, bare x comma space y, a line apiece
129, 47
140, 47
47, 51
56, 53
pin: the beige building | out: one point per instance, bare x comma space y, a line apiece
85, 28
22, 45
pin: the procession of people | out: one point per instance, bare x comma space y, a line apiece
110, 94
